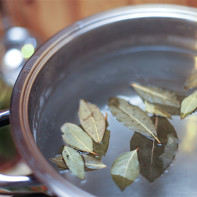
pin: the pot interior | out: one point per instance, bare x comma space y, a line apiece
100, 62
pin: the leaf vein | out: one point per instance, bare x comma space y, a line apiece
94, 123
128, 164
190, 104
82, 143
71, 157
133, 117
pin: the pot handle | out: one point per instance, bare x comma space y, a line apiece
18, 184
4, 117
12, 185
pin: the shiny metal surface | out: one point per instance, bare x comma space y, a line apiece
15, 184
4, 117
94, 59
18, 184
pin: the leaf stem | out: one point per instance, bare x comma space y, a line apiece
156, 123
157, 139
94, 153
106, 116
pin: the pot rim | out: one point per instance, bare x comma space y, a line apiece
20, 96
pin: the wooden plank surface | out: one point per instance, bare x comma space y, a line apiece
47, 17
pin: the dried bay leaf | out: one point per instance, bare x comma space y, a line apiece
90, 162
74, 136
58, 160
93, 163
154, 109
154, 159
92, 120
188, 105
191, 82
169, 109
102, 147
74, 161
157, 95
125, 169
132, 117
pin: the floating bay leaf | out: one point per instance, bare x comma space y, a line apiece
132, 117
74, 161
188, 105
58, 160
92, 120
157, 95
90, 162
191, 82
169, 109
76, 137
102, 147
125, 169
153, 109
154, 159
93, 163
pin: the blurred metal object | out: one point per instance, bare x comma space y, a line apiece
20, 185
17, 46
4, 117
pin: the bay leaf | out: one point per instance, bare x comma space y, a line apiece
93, 163
92, 120
132, 117
74, 161
125, 169
157, 95
169, 109
191, 82
102, 147
58, 160
188, 105
154, 109
74, 136
154, 159
90, 162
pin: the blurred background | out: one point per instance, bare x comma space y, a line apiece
46, 17
26, 24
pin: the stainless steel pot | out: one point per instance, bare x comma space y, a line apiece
94, 59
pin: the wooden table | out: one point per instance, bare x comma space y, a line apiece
46, 17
